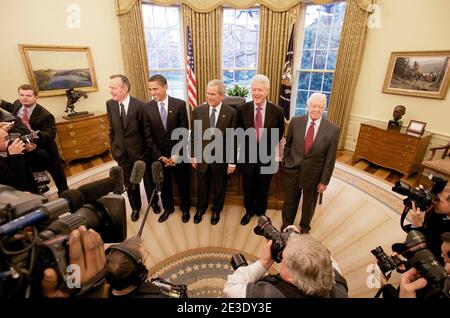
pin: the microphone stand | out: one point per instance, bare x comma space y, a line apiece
156, 191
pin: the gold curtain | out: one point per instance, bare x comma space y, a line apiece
134, 50
209, 5
347, 66
274, 32
206, 33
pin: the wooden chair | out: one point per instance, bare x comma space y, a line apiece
440, 166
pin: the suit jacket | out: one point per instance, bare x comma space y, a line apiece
158, 139
127, 144
317, 166
273, 118
41, 119
227, 118
6, 116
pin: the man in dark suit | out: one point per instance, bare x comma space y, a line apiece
268, 121
214, 166
126, 134
308, 161
37, 118
164, 114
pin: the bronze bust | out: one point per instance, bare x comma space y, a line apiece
398, 113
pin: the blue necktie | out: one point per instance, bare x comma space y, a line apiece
212, 118
163, 114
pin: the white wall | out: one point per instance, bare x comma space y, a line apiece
406, 25
43, 22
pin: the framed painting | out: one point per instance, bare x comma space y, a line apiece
54, 69
422, 74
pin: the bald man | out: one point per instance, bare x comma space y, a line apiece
308, 161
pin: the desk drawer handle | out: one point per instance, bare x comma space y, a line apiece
106, 143
72, 133
103, 135
101, 120
77, 151
102, 126
74, 141
70, 126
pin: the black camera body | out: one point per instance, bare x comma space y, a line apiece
422, 198
33, 238
386, 263
279, 239
416, 251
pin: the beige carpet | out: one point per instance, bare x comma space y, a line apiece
359, 212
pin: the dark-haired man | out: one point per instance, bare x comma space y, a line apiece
163, 115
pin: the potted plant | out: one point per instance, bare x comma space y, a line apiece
237, 90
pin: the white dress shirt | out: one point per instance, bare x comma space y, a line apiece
316, 126
236, 284
30, 111
126, 103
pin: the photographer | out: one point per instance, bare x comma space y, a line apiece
306, 270
434, 222
126, 272
14, 170
86, 250
411, 282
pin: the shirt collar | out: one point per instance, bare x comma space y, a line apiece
165, 101
263, 106
316, 122
126, 101
30, 109
217, 108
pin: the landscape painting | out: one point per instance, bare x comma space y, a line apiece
423, 74
54, 69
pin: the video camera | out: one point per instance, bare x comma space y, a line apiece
28, 138
386, 263
279, 239
33, 238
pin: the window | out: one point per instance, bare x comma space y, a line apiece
165, 51
321, 36
240, 45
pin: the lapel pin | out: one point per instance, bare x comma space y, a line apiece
223, 115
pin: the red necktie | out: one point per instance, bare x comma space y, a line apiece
25, 117
258, 122
309, 139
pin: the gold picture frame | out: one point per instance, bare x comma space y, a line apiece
54, 69
421, 74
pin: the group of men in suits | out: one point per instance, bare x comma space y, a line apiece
143, 131
27, 117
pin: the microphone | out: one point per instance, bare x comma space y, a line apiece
94, 190
158, 179
137, 173
116, 173
49, 210
75, 198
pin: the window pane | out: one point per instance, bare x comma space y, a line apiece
323, 37
335, 37
331, 60
327, 82
240, 45
316, 81
320, 58
310, 37
326, 14
312, 16
307, 57
339, 13
304, 80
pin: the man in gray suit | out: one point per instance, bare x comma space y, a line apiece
308, 161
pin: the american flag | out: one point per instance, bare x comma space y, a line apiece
190, 72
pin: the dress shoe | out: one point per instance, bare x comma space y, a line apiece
156, 208
246, 218
215, 218
134, 215
304, 230
185, 217
163, 217
198, 217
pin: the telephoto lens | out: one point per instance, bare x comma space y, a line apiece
238, 260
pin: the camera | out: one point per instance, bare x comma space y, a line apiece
34, 235
386, 263
279, 239
238, 260
169, 289
422, 198
28, 138
416, 251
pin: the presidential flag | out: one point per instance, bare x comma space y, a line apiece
287, 76
190, 72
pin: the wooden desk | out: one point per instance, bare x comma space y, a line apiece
82, 137
393, 149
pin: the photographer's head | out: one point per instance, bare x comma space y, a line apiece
307, 265
442, 205
125, 268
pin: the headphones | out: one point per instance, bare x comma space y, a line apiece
139, 275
